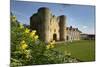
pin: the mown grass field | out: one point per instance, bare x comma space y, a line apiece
83, 50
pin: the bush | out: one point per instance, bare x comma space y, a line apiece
27, 49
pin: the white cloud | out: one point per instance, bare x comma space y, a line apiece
84, 27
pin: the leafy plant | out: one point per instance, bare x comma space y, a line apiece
27, 49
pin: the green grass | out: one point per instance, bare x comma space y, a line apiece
83, 50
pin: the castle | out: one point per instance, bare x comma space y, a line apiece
50, 27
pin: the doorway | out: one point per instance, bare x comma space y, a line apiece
67, 38
55, 37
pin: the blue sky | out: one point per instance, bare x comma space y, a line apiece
78, 16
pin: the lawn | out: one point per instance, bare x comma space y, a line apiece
83, 50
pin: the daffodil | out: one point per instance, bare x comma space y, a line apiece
27, 30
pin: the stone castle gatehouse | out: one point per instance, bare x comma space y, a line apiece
49, 27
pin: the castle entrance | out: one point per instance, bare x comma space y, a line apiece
67, 38
55, 37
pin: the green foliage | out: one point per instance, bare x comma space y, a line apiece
27, 49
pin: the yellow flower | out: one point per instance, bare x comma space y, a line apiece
49, 46
36, 37
32, 33
27, 30
52, 46
23, 45
22, 42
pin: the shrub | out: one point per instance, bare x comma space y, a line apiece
27, 49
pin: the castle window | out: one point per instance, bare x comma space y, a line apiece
54, 30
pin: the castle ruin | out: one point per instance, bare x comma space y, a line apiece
49, 27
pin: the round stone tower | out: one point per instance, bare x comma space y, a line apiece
62, 25
45, 15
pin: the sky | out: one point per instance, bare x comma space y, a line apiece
78, 16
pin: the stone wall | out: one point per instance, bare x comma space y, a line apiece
50, 27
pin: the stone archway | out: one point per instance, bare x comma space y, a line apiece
55, 37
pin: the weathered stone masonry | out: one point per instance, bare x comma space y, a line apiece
49, 27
